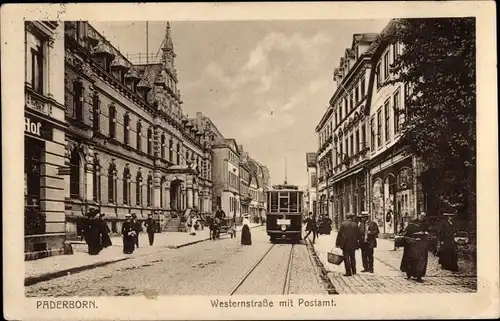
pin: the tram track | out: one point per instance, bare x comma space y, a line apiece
245, 281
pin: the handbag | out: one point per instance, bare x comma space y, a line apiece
335, 256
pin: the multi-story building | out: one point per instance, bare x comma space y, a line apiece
258, 188
226, 175
245, 178
129, 146
44, 139
348, 178
395, 192
324, 161
310, 203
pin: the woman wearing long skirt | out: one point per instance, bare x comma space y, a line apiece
92, 233
246, 236
415, 254
128, 234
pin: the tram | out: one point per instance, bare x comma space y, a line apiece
284, 213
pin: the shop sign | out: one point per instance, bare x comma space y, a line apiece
37, 127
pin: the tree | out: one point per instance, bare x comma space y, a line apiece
437, 65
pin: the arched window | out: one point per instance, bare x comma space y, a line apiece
163, 146
170, 150
150, 141
126, 186
126, 129
112, 121
139, 135
96, 112
74, 178
178, 153
96, 181
138, 189
149, 191
112, 184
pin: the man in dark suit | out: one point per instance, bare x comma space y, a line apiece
370, 231
348, 239
151, 228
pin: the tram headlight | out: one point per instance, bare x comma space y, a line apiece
283, 227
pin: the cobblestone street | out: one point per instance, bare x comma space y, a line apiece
388, 278
207, 268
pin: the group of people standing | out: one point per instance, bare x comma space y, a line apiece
322, 225
95, 232
131, 230
362, 234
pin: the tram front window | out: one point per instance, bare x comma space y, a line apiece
283, 204
293, 202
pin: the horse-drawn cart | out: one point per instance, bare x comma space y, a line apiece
221, 226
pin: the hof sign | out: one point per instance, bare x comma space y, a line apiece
37, 127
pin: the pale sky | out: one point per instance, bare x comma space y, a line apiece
264, 83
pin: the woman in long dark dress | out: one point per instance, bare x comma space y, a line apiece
105, 239
246, 236
128, 234
415, 254
92, 233
447, 251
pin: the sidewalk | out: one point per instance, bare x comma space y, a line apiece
387, 277
61, 265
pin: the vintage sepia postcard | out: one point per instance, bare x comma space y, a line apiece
250, 161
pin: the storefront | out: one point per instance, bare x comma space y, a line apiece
44, 223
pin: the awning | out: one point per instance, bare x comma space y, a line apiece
344, 175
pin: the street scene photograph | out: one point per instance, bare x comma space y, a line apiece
271, 157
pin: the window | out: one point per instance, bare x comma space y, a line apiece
363, 89
96, 108
396, 112
356, 97
178, 154
352, 145
395, 47
111, 184
378, 75
138, 189
78, 100
363, 136
163, 139
372, 129
346, 146
387, 114
187, 156
34, 63
96, 181
341, 110
357, 142
341, 149
170, 150
351, 101
112, 121
126, 129
150, 141
336, 117
139, 135
386, 65
149, 190
126, 186
379, 128
74, 178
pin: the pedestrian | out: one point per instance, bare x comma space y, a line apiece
150, 228
106, 240
311, 226
348, 239
128, 234
415, 254
92, 232
219, 213
193, 221
447, 250
370, 231
137, 226
246, 236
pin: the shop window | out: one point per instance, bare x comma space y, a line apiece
126, 129
150, 141
34, 62
34, 220
74, 177
96, 109
139, 136
112, 122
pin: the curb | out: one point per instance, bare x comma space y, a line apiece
330, 288
57, 274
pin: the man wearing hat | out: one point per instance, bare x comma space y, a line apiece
128, 234
137, 228
348, 239
447, 250
370, 231
151, 228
